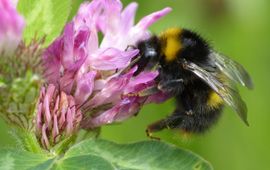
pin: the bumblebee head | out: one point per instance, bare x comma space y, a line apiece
177, 43
149, 53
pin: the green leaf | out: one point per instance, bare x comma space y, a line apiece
105, 155
141, 155
16, 159
86, 162
44, 18
75, 6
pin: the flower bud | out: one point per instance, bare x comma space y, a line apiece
57, 116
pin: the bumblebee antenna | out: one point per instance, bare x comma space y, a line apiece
131, 46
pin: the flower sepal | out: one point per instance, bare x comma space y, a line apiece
18, 100
26, 140
80, 136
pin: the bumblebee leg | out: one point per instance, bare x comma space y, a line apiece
195, 123
149, 134
155, 127
170, 83
171, 122
171, 86
145, 92
187, 104
149, 91
196, 118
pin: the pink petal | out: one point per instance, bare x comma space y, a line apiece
67, 81
56, 105
69, 119
68, 58
64, 103
106, 117
128, 16
44, 137
109, 20
127, 111
150, 19
123, 110
142, 81
74, 51
51, 60
62, 119
39, 118
85, 85
112, 90
11, 27
81, 37
89, 14
92, 45
99, 84
112, 58
144, 77
80, 44
55, 130
46, 104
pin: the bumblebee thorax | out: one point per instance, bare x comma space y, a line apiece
179, 43
170, 43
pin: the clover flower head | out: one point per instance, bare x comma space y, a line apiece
91, 71
11, 26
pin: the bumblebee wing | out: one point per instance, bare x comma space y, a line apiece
225, 89
232, 69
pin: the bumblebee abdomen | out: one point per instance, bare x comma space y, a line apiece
214, 100
202, 107
201, 122
198, 93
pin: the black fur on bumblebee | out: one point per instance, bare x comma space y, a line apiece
200, 79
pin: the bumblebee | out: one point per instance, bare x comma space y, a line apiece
201, 80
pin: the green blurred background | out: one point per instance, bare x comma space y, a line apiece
239, 29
